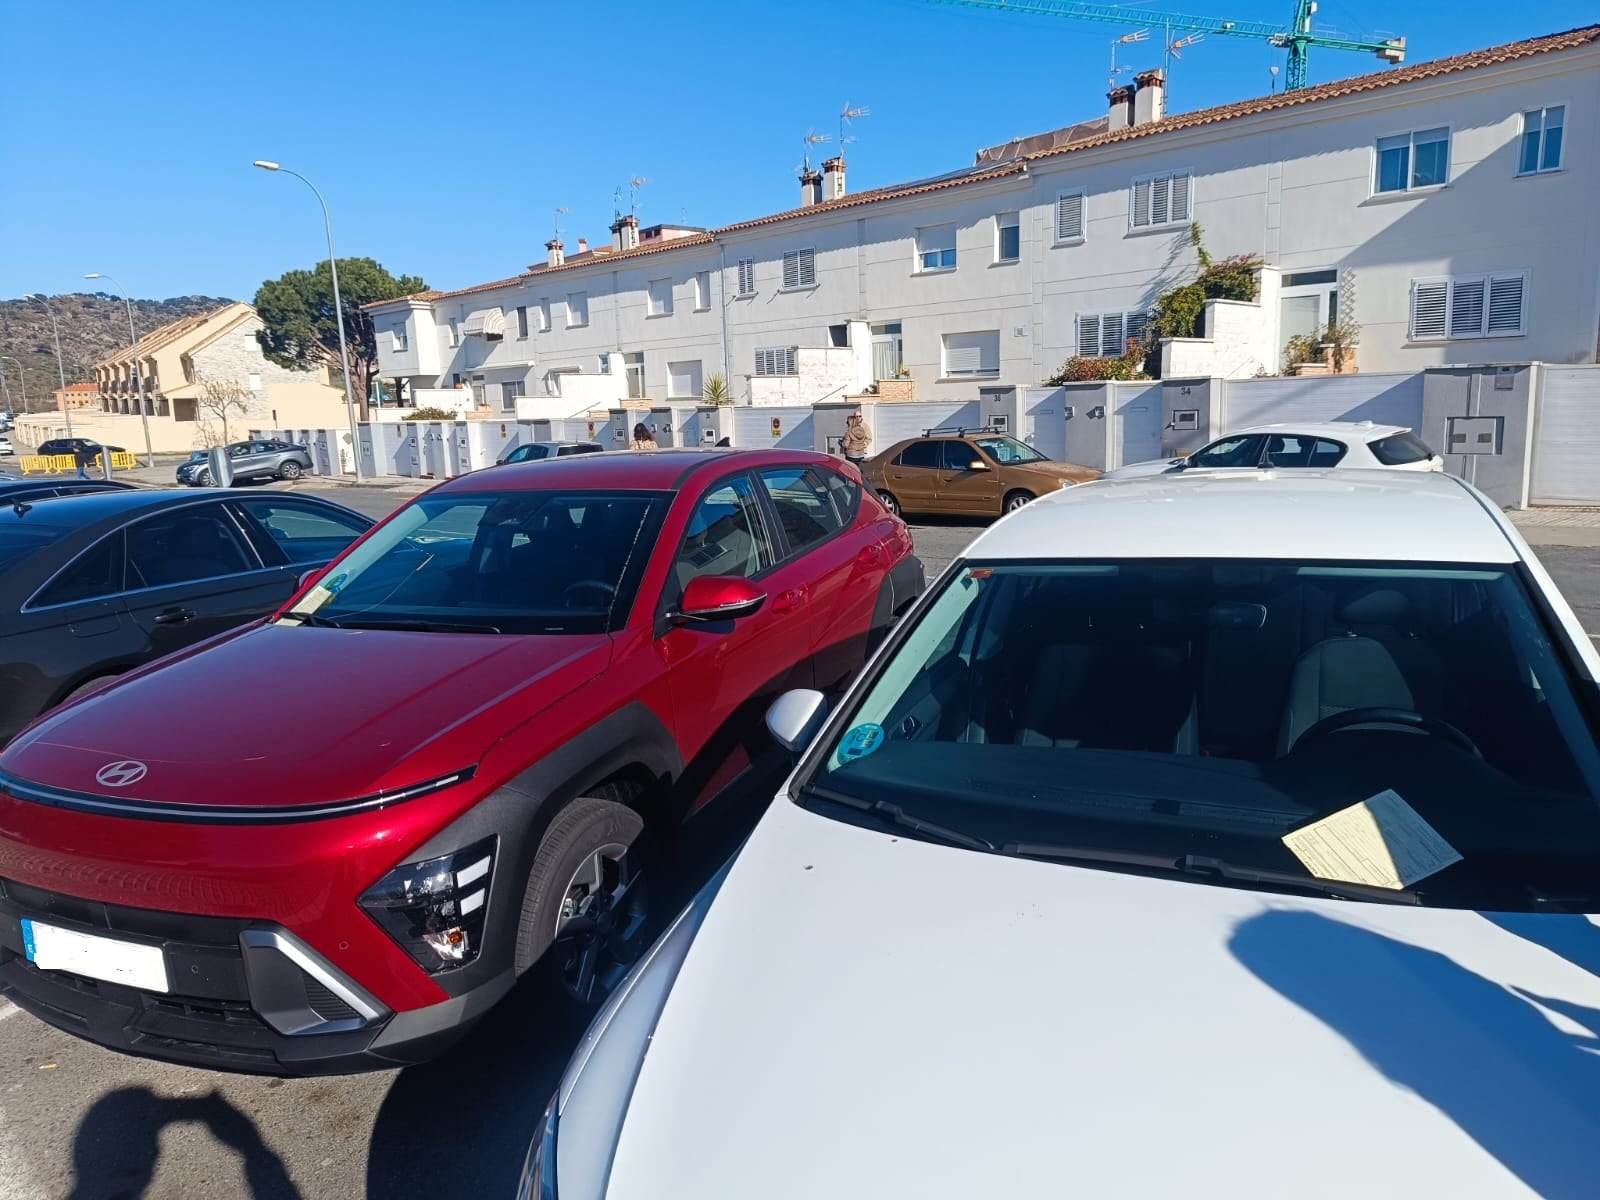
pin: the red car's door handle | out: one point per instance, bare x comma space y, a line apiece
788, 600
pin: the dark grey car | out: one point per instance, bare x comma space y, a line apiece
253, 460
538, 451
94, 585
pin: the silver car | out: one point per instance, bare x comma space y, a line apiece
251, 461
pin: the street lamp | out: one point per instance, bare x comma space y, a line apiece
22, 379
138, 375
338, 308
61, 366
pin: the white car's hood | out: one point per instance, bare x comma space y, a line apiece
870, 1016
1143, 470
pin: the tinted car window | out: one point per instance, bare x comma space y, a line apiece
527, 453
921, 454
96, 573
1327, 453
584, 449
22, 536
496, 562
1242, 451
846, 495
725, 535
958, 456
305, 533
183, 546
805, 507
1398, 449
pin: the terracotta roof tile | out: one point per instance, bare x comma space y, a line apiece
1493, 56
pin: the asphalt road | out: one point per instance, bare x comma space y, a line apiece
81, 1123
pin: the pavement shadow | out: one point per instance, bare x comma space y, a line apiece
1481, 1053
461, 1125
118, 1144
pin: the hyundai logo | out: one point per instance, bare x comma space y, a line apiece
123, 773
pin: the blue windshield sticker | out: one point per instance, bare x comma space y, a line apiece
337, 582
860, 742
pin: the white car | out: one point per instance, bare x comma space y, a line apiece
1241, 852
1309, 445
5, 445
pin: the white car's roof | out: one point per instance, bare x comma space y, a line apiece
1334, 429
1337, 515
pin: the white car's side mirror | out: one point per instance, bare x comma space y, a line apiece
795, 716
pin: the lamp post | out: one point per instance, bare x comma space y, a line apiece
61, 366
138, 375
22, 379
338, 309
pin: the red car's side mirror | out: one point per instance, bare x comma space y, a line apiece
718, 598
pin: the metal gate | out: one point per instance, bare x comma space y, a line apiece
892, 423
1387, 399
787, 427
1136, 409
1044, 421
1566, 441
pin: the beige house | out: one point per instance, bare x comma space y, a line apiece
205, 381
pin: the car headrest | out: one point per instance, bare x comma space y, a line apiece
1381, 606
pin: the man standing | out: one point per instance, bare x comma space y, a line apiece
856, 439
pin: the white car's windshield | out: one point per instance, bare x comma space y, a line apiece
494, 562
1186, 712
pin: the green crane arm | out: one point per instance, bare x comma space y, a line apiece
1297, 39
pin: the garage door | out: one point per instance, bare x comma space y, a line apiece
1387, 399
1566, 445
1136, 408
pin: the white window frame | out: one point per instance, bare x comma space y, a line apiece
940, 248
512, 390
702, 291
1002, 222
1068, 238
747, 278
658, 297
1411, 189
1473, 290
544, 314
776, 361
523, 328
698, 372
1150, 183
574, 309
947, 372
1544, 130
1128, 323
399, 339
799, 269
452, 329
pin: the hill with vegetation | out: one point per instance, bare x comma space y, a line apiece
93, 325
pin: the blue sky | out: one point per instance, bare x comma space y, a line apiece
444, 135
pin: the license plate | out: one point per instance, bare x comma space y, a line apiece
55, 949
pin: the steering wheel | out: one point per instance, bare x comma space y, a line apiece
607, 591
1403, 717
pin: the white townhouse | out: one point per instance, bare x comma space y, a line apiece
1447, 208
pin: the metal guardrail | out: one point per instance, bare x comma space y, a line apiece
67, 464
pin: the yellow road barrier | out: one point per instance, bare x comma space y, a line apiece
67, 464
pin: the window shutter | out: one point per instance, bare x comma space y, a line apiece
1069, 217
1505, 304
1467, 307
1180, 197
962, 359
1136, 324
1111, 337
1088, 337
791, 269
1428, 304
747, 276
1141, 203
1160, 214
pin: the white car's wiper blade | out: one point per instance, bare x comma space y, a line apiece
1216, 868
893, 814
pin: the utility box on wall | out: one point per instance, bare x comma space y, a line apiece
1475, 435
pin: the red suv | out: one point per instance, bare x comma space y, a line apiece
333, 839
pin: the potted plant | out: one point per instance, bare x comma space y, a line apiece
716, 391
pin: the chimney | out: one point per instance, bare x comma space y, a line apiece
583, 245
1150, 102
625, 233
554, 256
1121, 107
833, 178
810, 187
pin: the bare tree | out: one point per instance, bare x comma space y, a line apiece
222, 397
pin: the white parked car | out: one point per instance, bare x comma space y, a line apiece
5, 445
1309, 445
1238, 852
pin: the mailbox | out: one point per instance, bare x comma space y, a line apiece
1475, 435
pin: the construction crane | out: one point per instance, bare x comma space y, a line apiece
1297, 39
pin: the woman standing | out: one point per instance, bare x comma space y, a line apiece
642, 438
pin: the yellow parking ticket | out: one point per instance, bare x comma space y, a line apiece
1381, 841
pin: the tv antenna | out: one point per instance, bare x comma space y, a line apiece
1127, 39
1176, 46
846, 115
555, 225
812, 138
634, 184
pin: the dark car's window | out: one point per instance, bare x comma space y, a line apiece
190, 544
581, 449
1133, 713
959, 456
805, 507
304, 533
1241, 451
1008, 450
1398, 449
515, 562
93, 575
726, 535
846, 495
527, 453
266, 447
21, 536
1298, 450
921, 454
